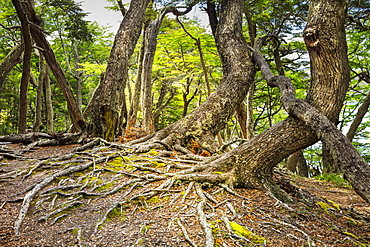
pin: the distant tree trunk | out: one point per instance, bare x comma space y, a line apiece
161, 102
12, 59
26, 68
135, 101
107, 100
361, 112
39, 93
249, 109
297, 163
48, 101
242, 118
185, 94
40, 40
78, 73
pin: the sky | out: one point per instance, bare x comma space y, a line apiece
105, 17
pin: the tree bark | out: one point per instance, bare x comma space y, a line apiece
107, 98
40, 40
297, 163
26, 67
12, 59
48, 101
254, 160
149, 53
39, 92
203, 124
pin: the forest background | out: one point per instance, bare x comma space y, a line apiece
179, 83
197, 99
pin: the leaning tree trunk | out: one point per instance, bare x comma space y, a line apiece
41, 42
12, 59
26, 67
324, 35
107, 100
150, 45
203, 124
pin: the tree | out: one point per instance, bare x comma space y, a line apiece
107, 100
251, 164
203, 124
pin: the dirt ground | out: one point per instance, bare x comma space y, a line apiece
93, 208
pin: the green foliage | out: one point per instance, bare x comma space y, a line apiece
336, 179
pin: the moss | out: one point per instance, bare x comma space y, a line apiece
244, 232
154, 199
351, 235
351, 221
106, 186
219, 173
153, 152
74, 231
157, 164
334, 205
119, 163
330, 204
324, 206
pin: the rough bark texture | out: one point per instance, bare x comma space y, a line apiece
297, 163
150, 45
254, 160
12, 59
26, 66
203, 124
107, 99
40, 40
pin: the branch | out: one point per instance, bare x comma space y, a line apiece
353, 166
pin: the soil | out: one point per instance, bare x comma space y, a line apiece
150, 210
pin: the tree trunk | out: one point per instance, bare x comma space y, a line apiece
40, 40
26, 67
146, 76
107, 99
203, 124
149, 53
39, 92
48, 102
135, 101
297, 163
12, 59
78, 74
254, 161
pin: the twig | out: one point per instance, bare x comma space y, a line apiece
186, 236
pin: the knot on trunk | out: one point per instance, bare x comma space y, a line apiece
311, 37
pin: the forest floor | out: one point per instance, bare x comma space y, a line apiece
125, 199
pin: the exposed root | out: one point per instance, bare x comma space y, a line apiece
209, 241
29, 196
149, 183
186, 235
